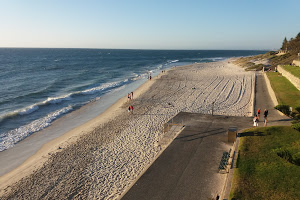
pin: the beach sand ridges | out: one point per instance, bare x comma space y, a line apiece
104, 162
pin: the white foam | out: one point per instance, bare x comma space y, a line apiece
12, 137
218, 59
55, 100
23, 111
99, 88
28, 110
34, 107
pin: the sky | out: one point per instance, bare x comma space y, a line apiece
149, 24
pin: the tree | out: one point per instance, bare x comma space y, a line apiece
284, 44
298, 36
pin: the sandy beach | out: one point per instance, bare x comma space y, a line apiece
103, 157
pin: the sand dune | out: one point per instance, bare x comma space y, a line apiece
105, 161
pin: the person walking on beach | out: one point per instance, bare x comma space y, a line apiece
131, 109
258, 113
128, 96
255, 121
131, 95
266, 112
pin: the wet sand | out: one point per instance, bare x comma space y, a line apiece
103, 157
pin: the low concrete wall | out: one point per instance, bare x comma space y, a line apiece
270, 90
293, 79
252, 107
296, 62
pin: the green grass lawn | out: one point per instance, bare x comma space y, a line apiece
285, 91
292, 69
268, 164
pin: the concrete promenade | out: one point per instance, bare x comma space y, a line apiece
188, 168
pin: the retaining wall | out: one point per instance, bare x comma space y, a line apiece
296, 62
270, 90
293, 79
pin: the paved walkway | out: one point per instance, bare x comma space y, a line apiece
263, 101
188, 168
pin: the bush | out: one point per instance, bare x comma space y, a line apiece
298, 109
285, 109
290, 154
271, 53
293, 115
296, 126
259, 67
296, 158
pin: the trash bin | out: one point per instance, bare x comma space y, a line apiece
232, 132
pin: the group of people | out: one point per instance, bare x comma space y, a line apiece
257, 116
130, 97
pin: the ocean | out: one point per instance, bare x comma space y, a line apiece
39, 86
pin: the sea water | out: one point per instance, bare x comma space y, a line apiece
39, 86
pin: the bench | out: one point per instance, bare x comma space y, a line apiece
224, 160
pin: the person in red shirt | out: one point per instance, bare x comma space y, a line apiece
131, 109
258, 113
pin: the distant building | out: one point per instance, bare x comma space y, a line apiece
281, 52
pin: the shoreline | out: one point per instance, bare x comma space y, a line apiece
21, 151
145, 103
35, 161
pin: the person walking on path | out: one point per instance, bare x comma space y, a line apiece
266, 112
258, 113
131, 95
255, 121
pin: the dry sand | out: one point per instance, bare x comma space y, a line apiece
102, 158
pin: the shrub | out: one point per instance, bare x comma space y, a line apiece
293, 115
296, 126
285, 109
259, 67
298, 109
296, 158
250, 64
289, 155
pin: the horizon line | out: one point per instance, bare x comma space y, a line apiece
137, 49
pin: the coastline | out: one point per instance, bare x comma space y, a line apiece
119, 110
35, 161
